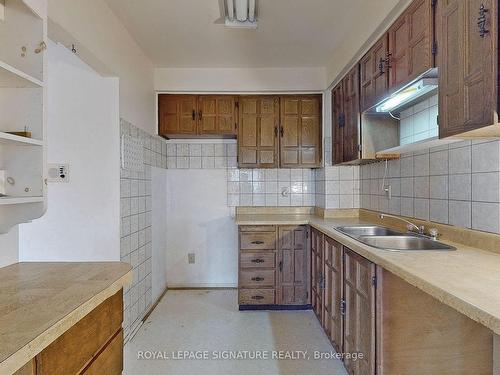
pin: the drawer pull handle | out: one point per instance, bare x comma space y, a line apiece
258, 260
257, 297
257, 242
258, 278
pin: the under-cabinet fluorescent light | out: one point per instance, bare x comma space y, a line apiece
241, 14
407, 94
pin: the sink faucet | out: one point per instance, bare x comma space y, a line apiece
420, 229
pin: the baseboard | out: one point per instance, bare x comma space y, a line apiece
274, 307
202, 286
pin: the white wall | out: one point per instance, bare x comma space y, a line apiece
199, 221
9, 247
100, 36
159, 231
82, 221
240, 80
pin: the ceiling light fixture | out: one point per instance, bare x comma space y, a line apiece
241, 14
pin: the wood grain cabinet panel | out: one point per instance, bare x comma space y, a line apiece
110, 361
293, 255
338, 124
257, 278
301, 135
333, 293
217, 114
359, 318
317, 269
410, 44
86, 340
177, 114
351, 116
257, 296
258, 132
468, 65
260, 259
373, 74
419, 335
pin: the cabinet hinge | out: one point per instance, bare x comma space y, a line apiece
307, 234
342, 307
434, 3
374, 281
437, 120
237, 104
359, 148
434, 48
307, 295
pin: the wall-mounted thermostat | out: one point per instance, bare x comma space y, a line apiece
58, 173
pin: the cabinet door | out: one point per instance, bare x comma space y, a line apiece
217, 114
333, 293
293, 266
352, 117
177, 114
317, 272
300, 144
374, 77
338, 123
468, 78
410, 44
258, 131
359, 323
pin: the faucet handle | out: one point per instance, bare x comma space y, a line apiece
434, 233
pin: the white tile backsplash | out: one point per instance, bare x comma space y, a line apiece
457, 184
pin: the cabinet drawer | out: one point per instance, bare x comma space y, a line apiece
110, 361
258, 260
258, 241
257, 278
257, 297
77, 346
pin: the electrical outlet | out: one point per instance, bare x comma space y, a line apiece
191, 258
58, 173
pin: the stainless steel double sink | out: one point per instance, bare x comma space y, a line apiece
388, 239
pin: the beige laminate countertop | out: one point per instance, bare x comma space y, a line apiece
467, 280
41, 301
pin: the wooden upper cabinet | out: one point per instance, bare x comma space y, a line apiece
293, 266
374, 76
467, 60
352, 116
177, 114
217, 114
411, 40
258, 132
300, 143
359, 318
338, 123
192, 115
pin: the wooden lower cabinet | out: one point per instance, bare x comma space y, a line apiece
333, 293
359, 313
273, 266
398, 328
317, 244
94, 345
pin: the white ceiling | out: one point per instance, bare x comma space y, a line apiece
291, 33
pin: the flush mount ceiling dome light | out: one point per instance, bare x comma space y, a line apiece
241, 13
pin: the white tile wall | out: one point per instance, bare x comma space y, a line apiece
338, 187
201, 155
419, 122
136, 233
457, 184
271, 187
